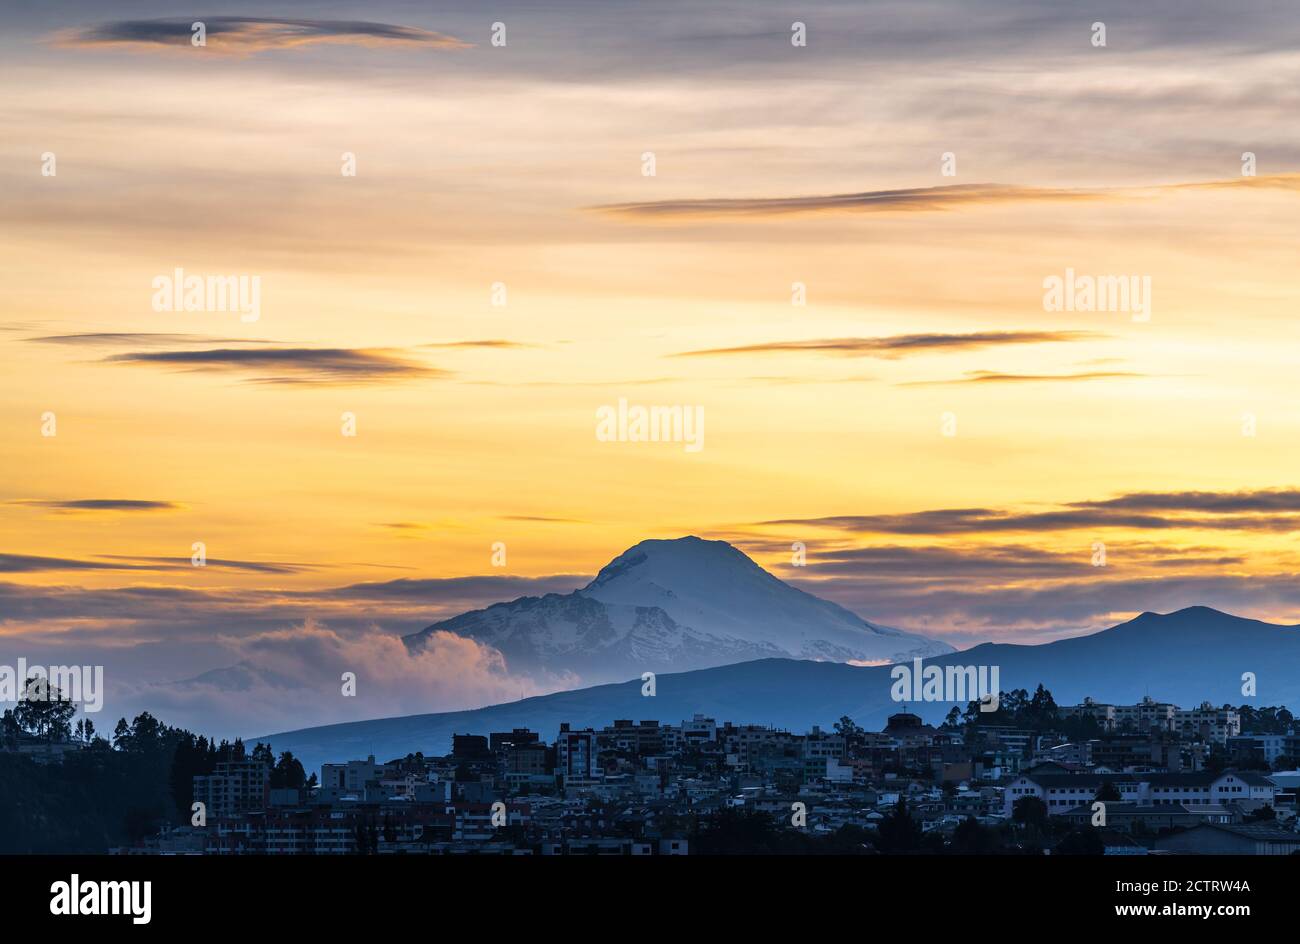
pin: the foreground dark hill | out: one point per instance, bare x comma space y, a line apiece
1187, 657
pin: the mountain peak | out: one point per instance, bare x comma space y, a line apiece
663, 560
684, 602
715, 588
1186, 613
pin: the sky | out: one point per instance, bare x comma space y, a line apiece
841, 258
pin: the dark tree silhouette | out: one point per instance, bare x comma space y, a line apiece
44, 712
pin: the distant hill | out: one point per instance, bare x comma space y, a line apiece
1187, 657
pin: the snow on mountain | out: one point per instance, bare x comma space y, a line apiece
677, 605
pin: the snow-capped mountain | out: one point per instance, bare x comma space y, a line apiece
677, 605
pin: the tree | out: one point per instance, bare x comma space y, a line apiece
85, 730
970, 838
264, 753
899, 831
1108, 793
847, 728
44, 712
146, 731
288, 773
1081, 842
10, 728
1029, 811
1041, 712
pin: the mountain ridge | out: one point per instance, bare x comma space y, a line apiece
1112, 665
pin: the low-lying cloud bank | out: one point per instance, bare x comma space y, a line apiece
310, 674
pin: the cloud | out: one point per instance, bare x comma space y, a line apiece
333, 366
30, 564
256, 567
941, 564
899, 345
487, 343
1261, 500
1039, 610
1225, 511
244, 35
992, 377
100, 504
872, 201
137, 339
542, 519
914, 199
292, 677
1289, 182
491, 588
407, 604
27, 564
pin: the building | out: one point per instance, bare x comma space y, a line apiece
350, 778
1205, 721
1063, 793
234, 787
1153, 750
1257, 748
1231, 839
1146, 715
1209, 723
1131, 817
499, 741
470, 747
699, 730
645, 738
576, 755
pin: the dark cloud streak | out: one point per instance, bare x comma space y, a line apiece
901, 344
248, 34
335, 366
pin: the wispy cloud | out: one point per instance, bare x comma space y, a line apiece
1241, 502
30, 564
255, 567
486, 343
915, 199
992, 377
243, 35
994, 562
333, 366
134, 339
907, 200
898, 345
541, 519
99, 504
1269, 510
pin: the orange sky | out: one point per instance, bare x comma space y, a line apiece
479, 165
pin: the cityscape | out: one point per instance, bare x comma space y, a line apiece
744, 434
1031, 778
